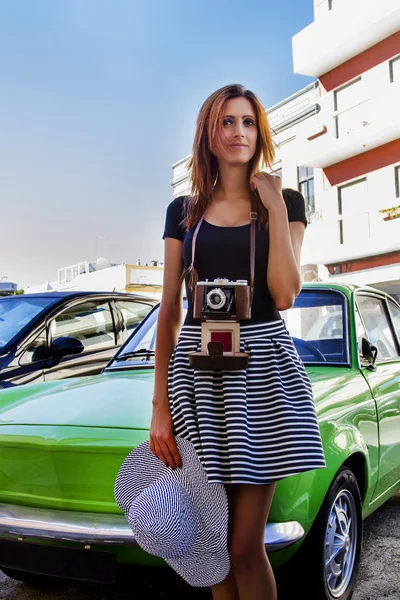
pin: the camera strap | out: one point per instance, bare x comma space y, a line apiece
194, 277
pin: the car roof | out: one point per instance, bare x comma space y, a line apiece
78, 294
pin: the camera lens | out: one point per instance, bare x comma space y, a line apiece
216, 299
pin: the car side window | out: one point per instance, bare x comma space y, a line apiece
36, 351
360, 332
133, 312
377, 326
395, 312
91, 322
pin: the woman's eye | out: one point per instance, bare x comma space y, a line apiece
249, 122
226, 122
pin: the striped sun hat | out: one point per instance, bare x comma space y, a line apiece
176, 514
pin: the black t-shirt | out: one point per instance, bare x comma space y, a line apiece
224, 252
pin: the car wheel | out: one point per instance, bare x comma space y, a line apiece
31, 578
329, 557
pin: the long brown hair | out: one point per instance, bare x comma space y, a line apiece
203, 164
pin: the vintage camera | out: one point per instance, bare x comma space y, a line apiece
222, 299
221, 304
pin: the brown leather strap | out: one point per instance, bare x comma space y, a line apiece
194, 277
253, 219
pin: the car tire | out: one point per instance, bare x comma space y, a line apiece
337, 534
31, 578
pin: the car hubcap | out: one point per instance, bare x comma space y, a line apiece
340, 543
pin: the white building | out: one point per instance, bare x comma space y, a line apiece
339, 142
7, 288
353, 48
103, 276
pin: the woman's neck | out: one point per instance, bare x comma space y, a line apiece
233, 183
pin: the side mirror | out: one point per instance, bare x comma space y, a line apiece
369, 353
64, 346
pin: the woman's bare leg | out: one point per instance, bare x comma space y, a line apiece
226, 590
251, 576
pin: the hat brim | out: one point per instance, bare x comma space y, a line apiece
202, 570
207, 563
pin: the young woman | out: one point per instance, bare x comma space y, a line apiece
257, 425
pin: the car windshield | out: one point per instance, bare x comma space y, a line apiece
18, 311
317, 323
140, 347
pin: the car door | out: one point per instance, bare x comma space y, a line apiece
29, 360
384, 382
91, 322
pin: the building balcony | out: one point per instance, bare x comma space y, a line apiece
7, 288
351, 27
180, 181
343, 134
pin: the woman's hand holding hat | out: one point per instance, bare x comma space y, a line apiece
162, 441
176, 515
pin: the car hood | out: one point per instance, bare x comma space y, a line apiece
122, 400
109, 400
62, 443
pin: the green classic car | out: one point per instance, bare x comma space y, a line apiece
62, 443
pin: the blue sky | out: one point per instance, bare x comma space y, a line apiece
98, 100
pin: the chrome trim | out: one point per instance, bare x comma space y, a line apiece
23, 522
278, 536
63, 525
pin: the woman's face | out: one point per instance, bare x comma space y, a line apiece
238, 132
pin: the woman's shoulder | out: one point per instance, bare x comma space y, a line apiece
292, 196
174, 219
177, 205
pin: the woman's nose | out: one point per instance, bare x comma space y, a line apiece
239, 130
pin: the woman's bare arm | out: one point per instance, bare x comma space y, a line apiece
284, 274
162, 442
285, 241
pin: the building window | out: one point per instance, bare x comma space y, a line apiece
397, 180
305, 177
394, 69
353, 213
350, 106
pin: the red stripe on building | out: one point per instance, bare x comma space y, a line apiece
359, 165
361, 264
362, 62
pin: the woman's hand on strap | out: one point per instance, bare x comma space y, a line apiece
269, 189
162, 440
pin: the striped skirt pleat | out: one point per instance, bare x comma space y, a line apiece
255, 425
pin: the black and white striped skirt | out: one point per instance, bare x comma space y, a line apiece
255, 425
